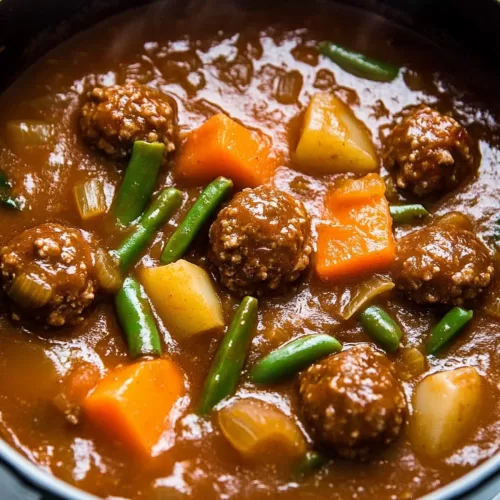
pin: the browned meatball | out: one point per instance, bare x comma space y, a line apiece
442, 264
48, 272
260, 240
353, 401
114, 117
429, 152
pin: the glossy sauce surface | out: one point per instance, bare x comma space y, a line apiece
232, 63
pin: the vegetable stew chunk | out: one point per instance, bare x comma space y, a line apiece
49, 269
260, 241
261, 432
442, 264
353, 401
221, 146
113, 118
446, 406
429, 152
121, 404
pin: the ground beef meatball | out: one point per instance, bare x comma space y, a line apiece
260, 240
442, 264
429, 152
353, 401
59, 259
112, 118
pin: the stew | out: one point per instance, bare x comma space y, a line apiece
247, 254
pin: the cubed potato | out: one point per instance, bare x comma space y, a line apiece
446, 406
333, 139
184, 297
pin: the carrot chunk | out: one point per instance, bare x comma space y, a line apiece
223, 147
357, 238
356, 189
133, 404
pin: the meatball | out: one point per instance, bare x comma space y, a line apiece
442, 264
48, 272
260, 240
429, 153
353, 401
112, 118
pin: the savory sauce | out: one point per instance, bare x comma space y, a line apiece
231, 61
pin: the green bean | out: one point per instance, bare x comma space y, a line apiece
158, 212
404, 214
381, 327
203, 208
230, 357
312, 461
358, 64
6, 197
139, 181
447, 328
136, 319
293, 357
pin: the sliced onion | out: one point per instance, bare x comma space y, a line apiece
29, 292
456, 219
107, 271
28, 133
414, 363
90, 199
288, 87
492, 303
260, 431
362, 294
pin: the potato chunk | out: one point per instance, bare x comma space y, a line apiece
446, 404
333, 139
184, 297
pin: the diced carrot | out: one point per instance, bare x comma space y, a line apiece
357, 238
356, 189
223, 147
82, 379
133, 404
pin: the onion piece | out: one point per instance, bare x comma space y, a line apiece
260, 431
492, 302
29, 292
107, 271
288, 87
90, 199
456, 219
492, 306
364, 293
414, 363
28, 133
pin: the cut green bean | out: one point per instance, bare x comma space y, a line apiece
447, 328
155, 216
358, 64
139, 181
293, 357
204, 207
136, 319
405, 214
230, 357
311, 462
381, 327
6, 198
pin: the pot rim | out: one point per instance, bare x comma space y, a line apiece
35, 477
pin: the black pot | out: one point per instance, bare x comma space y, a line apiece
28, 29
